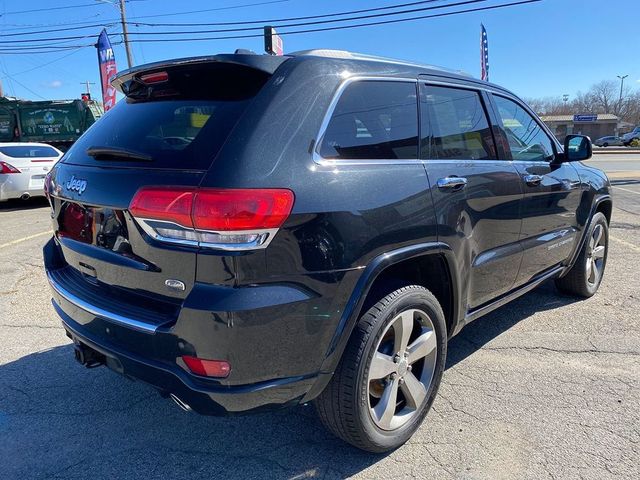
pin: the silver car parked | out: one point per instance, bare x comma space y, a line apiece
609, 142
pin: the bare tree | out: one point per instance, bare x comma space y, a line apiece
603, 97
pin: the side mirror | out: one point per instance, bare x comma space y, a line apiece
577, 148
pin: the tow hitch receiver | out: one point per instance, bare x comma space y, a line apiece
87, 356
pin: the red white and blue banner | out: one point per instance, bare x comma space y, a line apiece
107, 62
484, 54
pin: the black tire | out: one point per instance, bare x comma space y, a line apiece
344, 408
576, 281
605, 144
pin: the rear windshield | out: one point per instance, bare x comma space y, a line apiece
181, 123
174, 133
26, 151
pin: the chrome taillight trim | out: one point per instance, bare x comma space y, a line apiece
264, 236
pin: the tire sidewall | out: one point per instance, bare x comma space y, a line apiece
407, 300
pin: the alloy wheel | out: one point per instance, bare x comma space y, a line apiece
595, 255
402, 369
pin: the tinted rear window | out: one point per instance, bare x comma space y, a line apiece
26, 151
180, 124
175, 133
455, 126
373, 120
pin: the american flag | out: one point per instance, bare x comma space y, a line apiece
484, 54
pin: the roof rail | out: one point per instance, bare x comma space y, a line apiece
328, 53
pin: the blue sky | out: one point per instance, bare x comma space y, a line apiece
541, 49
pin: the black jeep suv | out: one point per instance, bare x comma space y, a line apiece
246, 232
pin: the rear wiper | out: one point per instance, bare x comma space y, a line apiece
115, 153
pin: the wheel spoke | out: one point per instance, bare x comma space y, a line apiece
597, 235
593, 275
589, 268
422, 346
381, 366
595, 271
414, 391
402, 327
386, 407
598, 252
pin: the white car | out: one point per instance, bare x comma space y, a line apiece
23, 167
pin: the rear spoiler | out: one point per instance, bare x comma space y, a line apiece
267, 64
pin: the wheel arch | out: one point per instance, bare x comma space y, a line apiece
601, 203
385, 267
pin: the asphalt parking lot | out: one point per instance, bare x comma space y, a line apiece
545, 387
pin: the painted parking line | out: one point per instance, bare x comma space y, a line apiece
633, 247
24, 239
626, 190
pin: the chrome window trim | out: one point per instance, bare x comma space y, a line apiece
100, 312
328, 162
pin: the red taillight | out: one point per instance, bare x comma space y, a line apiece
230, 219
207, 368
156, 77
169, 204
8, 168
232, 210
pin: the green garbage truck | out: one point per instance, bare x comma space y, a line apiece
56, 122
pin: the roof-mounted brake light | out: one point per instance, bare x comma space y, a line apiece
156, 77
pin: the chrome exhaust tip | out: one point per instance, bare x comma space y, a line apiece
183, 405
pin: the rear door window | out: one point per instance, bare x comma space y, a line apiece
373, 120
454, 125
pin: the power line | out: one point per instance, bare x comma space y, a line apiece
66, 29
116, 20
232, 7
25, 87
295, 32
43, 65
359, 17
279, 26
50, 9
290, 19
321, 22
345, 27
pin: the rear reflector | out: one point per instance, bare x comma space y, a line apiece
227, 219
207, 368
8, 168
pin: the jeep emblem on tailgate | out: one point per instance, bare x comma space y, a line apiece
75, 184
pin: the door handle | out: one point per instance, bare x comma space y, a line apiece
452, 183
533, 180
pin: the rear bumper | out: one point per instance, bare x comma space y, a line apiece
14, 185
275, 337
204, 396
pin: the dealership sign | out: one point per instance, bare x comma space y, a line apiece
272, 41
585, 118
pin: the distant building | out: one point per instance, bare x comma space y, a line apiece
594, 126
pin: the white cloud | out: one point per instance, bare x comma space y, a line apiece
53, 84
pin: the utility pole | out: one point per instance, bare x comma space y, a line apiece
87, 84
621, 77
565, 99
125, 33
